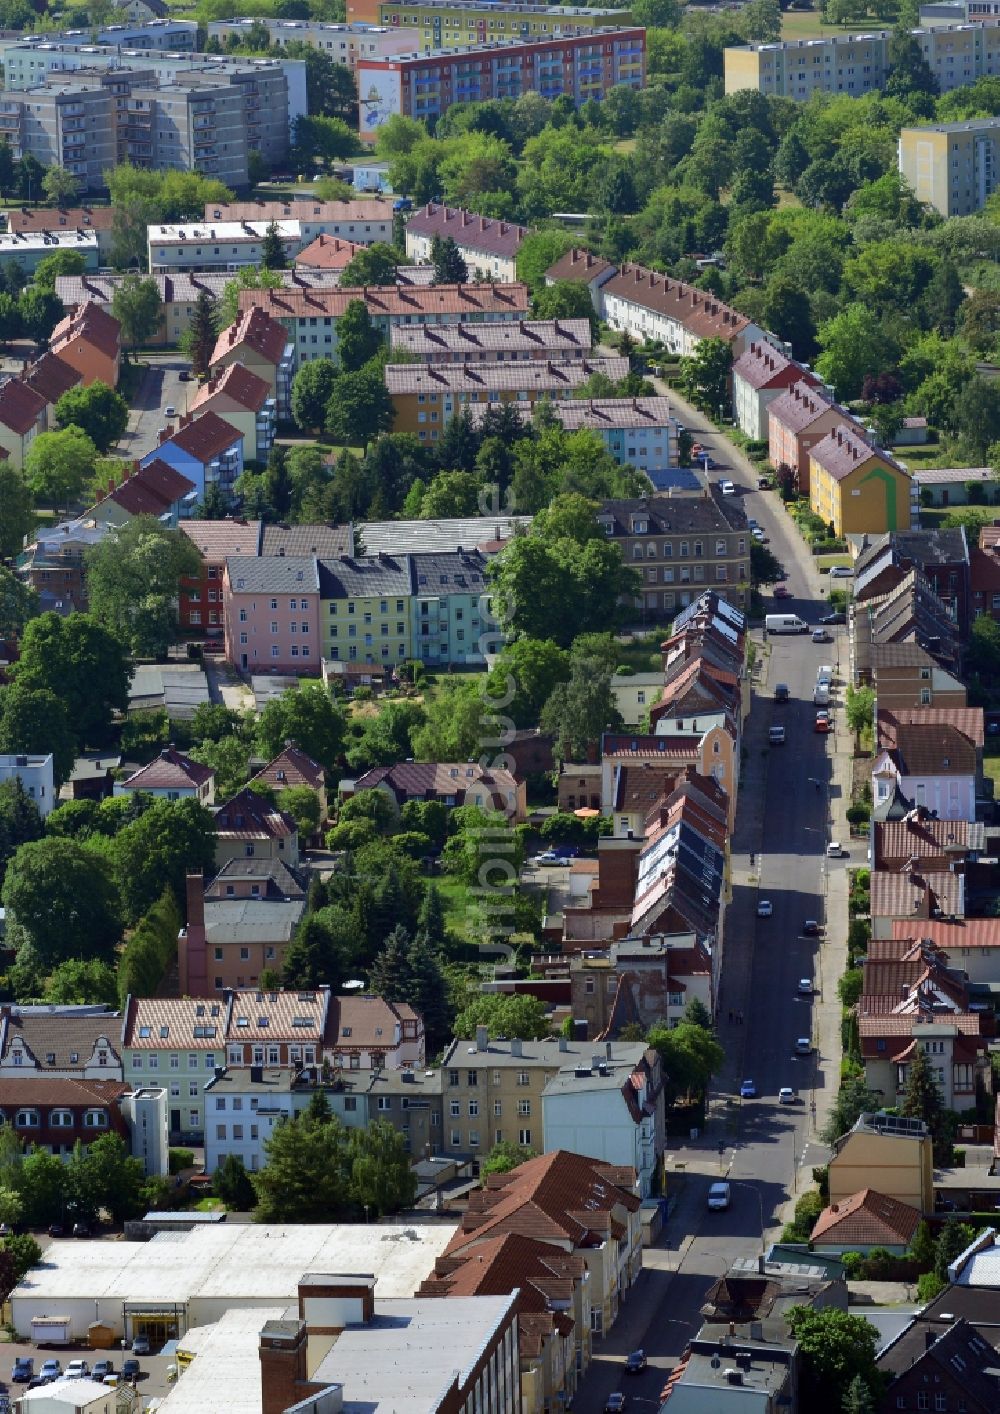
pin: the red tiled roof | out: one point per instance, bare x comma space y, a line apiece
579, 265
20, 406
249, 816
19, 1090
389, 301
761, 365
92, 323
205, 436
963, 933
801, 405
328, 253
151, 489
240, 384
696, 311
968, 720
845, 449
292, 767
215, 539
360, 1023
45, 218
51, 376
867, 1219
257, 331
170, 770
940, 841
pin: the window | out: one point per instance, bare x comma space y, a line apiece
26, 1119
453, 1078
524, 1137
523, 1077
455, 1109
524, 1107
472, 1078
497, 1109
61, 1119
473, 1109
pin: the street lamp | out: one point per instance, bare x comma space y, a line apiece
739, 1183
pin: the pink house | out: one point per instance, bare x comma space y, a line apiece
271, 613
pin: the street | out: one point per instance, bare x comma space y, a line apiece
791, 804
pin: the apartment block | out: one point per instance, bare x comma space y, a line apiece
583, 67
797, 419
450, 24
560, 339
365, 610
856, 488
197, 125
761, 375
271, 607
951, 166
639, 432
344, 44
425, 399
655, 308
958, 54
30, 250
489, 248
219, 245
362, 220
71, 126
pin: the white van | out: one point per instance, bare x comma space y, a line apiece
785, 623
718, 1197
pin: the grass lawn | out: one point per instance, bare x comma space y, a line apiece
991, 765
933, 517
808, 24
934, 454
827, 562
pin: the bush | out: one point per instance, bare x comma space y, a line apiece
755, 448
929, 1285
857, 814
181, 1159
853, 1262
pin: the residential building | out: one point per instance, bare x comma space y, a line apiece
22, 417
634, 695
261, 345
488, 534
172, 776
38, 220
221, 245
34, 771
493, 1088
55, 1112
985, 573
639, 432
656, 308
344, 44
914, 895
204, 447
453, 784
681, 545
145, 1112
451, 620
246, 401
954, 1044
588, 1207
291, 768
271, 608
911, 616
327, 253
799, 417
244, 1107
905, 676
155, 489
201, 597
249, 827
578, 787
559, 340
365, 1032
611, 1111
957, 1365
51, 377
653, 978
932, 844
489, 248
636, 787
239, 927
365, 614
325, 540
761, 374
419, 85
865, 1220
712, 753
310, 317
424, 398
951, 166
583, 267
63, 1043
891, 1153
933, 756
856, 488
445, 23
969, 944
53, 565
362, 220
681, 869
89, 340
27, 252
941, 556
854, 64
944, 486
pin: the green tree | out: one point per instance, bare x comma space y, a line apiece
104, 1175
321, 950
372, 265
979, 321
853, 1100
922, 1100
922, 1246
538, 252
36, 720
698, 1014
59, 464
75, 983
504, 1014
231, 1183
705, 375
952, 1241
17, 519
249, 278
976, 416
272, 249
229, 759
307, 1173
302, 804
18, 603
690, 1056
132, 577
835, 1347
308, 716
24, 1253
382, 1180
505, 1156
61, 898
451, 494
457, 720
524, 677
853, 345
150, 950
910, 75
360, 407
200, 338
43, 1187
357, 339
579, 710
312, 388
449, 265
168, 840
20, 822
137, 306
61, 188
860, 708
97, 410
60, 262
559, 589
983, 654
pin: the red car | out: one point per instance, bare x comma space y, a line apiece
782, 592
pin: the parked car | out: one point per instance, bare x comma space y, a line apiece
781, 591
185, 375
22, 1369
78, 1370
810, 928
728, 488
822, 723
758, 535
130, 1369
762, 483
836, 617
140, 1345
781, 692
81, 1230
718, 1197
786, 1095
803, 1046
835, 850
776, 736
820, 635
52, 1369
805, 987
748, 1090
842, 572
56, 1230
765, 908
102, 1369
636, 1362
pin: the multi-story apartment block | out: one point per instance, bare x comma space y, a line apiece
344, 44
762, 374
171, 36
854, 64
28, 251
271, 613
222, 245
855, 487
366, 616
952, 166
362, 220
205, 448
41, 219
51, 377
423, 86
449, 606
71, 126
796, 420
310, 317
563, 340
262, 345
682, 545
452, 24
489, 248
244, 399
425, 399
639, 432
655, 308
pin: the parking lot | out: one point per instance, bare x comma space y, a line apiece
153, 1380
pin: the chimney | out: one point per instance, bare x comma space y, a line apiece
482, 1038
283, 1376
516, 1046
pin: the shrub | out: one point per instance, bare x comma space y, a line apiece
857, 814
181, 1159
929, 1285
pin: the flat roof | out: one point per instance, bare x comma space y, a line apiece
225, 1373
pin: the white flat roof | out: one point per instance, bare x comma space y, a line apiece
255, 1261
49, 241
225, 1373
200, 231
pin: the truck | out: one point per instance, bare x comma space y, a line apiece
785, 623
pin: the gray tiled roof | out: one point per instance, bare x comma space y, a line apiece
448, 571
273, 574
364, 576
319, 539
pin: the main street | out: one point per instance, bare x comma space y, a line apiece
789, 795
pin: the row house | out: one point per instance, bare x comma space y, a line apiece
249, 827
30, 221
639, 432
798, 418
929, 843
941, 556
200, 605
59, 1043
761, 375
426, 397
932, 757
955, 1044
909, 623
327, 253
154, 489
23, 414
489, 247
582, 267
262, 346
51, 377
171, 776
453, 784
55, 1113
362, 220
650, 980
205, 448
636, 789
916, 893
310, 318
681, 871
905, 675
562, 340
967, 944
710, 751
89, 339
239, 926
221, 245
272, 613
244, 400
855, 487
655, 308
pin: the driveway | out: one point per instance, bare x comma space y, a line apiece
160, 388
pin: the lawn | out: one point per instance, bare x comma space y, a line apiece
991, 766
827, 562
808, 24
934, 454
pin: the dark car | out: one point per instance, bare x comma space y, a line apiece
81, 1229
102, 1368
781, 693
636, 1362
810, 928
22, 1370
835, 618
140, 1346
185, 375
615, 1404
130, 1369
762, 483
56, 1230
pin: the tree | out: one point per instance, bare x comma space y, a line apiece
944, 297
24, 1253
853, 1100
360, 407
372, 265
579, 710
59, 464
983, 654
449, 265
525, 675
504, 1014
36, 720
132, 577
43, 1187
307, 1173
909, 72
321, 950
231, 1183
853, 345
39, 310
61, 898
451, 494
357, 339
505, 1156
17, 519
137, 306
312, 388
75, 983
382, 1180
60, 262
308, 716
690, 1056
979, 321
952, 1241
200, 339
169, 839
922, 1100
835, 1347
559, 589
860, 708
104, 1175
272, 249
539, 251
705, 375
61, 188
698, 1014
977, 415
98, 410
249, 278
20, 822
18, 603
302, 804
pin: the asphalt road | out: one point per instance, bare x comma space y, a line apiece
767, 1147
160, 388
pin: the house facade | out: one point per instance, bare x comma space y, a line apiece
246, 401
271, 612
614, 1113
489, 248
23, 414
35, 772
201, 605
797, 419
89, 340
55, 1113
172, 776
261, 345
761, 374
205, 448
249, 827
856, 488
656, 308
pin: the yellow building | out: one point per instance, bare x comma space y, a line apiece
892, 1155
856, 488
952, 166
365, 609
445, 24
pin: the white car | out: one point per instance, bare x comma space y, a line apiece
824, 673
786, 1095
758, 534
835, 850
718, 1197
841, 572
765, 908
820, 635
77, 1370
727, 488
805, 987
